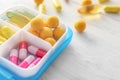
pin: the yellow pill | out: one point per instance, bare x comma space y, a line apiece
2, 39
57, 5
6, 32
38, 2
45, 33
103, 1
112, 9
85, 9
58, 32
52, 22
82, 10
33, 32
37, 24
86, 2
42, 8
95, 9
80, 25
52, 41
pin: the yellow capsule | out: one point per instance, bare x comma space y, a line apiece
52, 41
38, 2
103, 1
2, 39
42, 8
17, 18
80, 25
112, 9
57, 5
6, 32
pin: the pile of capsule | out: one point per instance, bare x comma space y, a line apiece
19, 17
26, 56
5, 33
47, 29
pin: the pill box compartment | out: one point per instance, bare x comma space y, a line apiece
18, 15
44, 17
11, 44
13, 28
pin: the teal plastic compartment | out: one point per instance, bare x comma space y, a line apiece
9, 71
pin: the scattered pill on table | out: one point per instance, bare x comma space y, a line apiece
86, 2
85, 9
42, 8
111, 9
88, 8
80, 25
57, 5
38, 2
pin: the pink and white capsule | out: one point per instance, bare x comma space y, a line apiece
36, 51
23, 50
34, 62
25, 63
14, 56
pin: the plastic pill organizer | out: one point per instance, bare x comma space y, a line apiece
10, 71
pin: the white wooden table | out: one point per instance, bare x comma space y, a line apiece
92, 55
